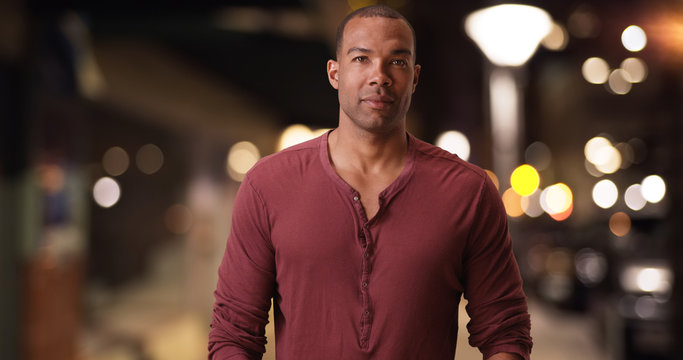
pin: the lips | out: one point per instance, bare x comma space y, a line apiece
378, 101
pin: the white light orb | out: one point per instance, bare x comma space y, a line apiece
605, 193
634, 38
653, 188
106, 192
454, 142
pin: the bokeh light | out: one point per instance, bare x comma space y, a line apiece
636, 69
296, 134
532, 204
493, 178
605, 193
649, 279
557, 39
538, 155
106, 192
564, 215
149, 159
241, 157
634, 197
591, 266
525, 180
513, 203
619, 224
115, 161
653, 188
454, 142
595, 70
556, 199
620, 82
634, 38
600, 152
591, 169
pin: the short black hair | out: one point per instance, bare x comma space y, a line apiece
372, 11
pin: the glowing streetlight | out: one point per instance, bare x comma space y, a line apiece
508, 35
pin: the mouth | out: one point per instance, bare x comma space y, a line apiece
378, 102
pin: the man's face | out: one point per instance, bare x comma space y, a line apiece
375, 74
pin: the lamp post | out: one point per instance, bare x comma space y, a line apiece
508, 35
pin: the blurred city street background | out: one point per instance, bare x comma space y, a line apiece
126, 128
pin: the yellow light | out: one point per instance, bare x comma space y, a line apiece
513, 203
242, 156
633, 38
295, 134
619, 224
525, 180
556, 199
595, 70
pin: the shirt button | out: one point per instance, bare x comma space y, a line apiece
366, 254
365, 284
366, 312
355, 198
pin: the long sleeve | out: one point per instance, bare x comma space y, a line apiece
246, 282
497, 306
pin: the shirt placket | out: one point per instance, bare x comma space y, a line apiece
366, 246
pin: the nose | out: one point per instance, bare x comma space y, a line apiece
380, 77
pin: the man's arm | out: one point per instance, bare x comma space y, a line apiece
497, 306
246, 282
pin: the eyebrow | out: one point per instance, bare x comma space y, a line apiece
367, 51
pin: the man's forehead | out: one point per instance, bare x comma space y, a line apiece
361, 28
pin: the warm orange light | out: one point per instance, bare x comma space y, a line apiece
513, 203
494, 178
620, 224
562, 216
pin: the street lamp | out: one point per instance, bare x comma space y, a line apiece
508, 35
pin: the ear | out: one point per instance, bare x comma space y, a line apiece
333, 73
416, 75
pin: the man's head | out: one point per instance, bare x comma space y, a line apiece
375, 71
371, 11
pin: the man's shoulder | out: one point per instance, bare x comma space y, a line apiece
289, 160
436, 158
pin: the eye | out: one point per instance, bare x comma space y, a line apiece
359, 59
399, 62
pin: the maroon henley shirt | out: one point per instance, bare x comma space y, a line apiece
349, 288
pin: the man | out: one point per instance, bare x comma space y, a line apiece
366, 237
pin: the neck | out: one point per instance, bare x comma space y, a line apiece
367, 152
